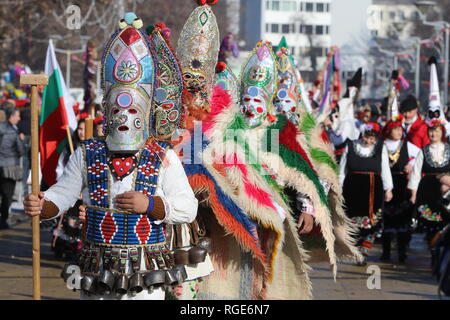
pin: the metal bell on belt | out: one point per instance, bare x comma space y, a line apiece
181, 273
88, 284
121, 286
205, 243
155, 278
106, 281
136, 283
197, 255
171, 277
181, 256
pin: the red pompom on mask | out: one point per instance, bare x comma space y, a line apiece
161, 25
208, 2
271, 118
221, 67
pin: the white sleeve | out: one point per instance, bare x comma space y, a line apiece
343, 166
66, 191
413, 151
179, 199
386, 175
416, 174
60, 165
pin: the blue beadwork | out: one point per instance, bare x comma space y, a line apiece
124, 225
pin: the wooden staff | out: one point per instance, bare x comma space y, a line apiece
35, 80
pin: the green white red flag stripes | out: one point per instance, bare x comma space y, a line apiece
57, 113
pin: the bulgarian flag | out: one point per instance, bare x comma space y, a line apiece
56, 115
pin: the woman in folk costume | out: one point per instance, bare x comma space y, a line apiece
131, 181
307, 169
432, 161
367, 182
255, 250
397, 213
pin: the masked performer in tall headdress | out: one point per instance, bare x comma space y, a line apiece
433, 160
131, 181
397, 213
254, 247
305, 164
367, 182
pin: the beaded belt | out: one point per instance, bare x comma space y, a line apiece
121, 228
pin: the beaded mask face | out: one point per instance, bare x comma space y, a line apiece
142, 87
128, 82
258, 85
126, 116
197, 51
287, 101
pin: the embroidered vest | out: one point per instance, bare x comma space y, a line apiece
357, 162
398, 163
430, 166
106, 226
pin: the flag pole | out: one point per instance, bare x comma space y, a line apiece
35, 80
69, 138
89, 123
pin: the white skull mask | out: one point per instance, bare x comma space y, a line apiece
253, 107
126, 123
287, 105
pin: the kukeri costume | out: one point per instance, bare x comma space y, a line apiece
126, 255
197, 50
306, 165
255, 249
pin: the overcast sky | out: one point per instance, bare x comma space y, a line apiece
348, 19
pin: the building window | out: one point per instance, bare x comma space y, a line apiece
289, 6
275, 28
392, 15
319, 29
327, 7
309, 7
374, 33
381, 15
302, 8
401, 15
268, 5
267, 27
285, 28
320, 7
293, 50
327, 29
275, 5
293, 28
306, 29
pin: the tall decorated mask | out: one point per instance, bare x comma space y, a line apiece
132, 81
197, 51
226, 80
287, 98
258, 84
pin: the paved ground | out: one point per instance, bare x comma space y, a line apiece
412, 282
